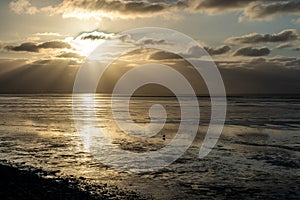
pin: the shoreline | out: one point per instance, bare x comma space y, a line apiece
22, 184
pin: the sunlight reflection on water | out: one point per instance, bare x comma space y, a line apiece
260, 142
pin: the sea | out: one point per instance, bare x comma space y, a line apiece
256, 156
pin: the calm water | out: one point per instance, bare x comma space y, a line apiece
258, 154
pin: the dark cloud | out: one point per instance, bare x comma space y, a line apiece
221, 5
266, 63
146, 8
217, 51
297, 49
250, 51
125, 38
35, 47
293, 63
27, 46
270, 9
252, 9
151, 41
143, 41
198, 51
288, 62
69, 55
95, 35
162, 55
192, 52
253, 38
54, 45
120, 8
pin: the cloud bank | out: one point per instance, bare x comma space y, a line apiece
269, 9
254, 38
217, 51
36, 47
251, 9
253, 52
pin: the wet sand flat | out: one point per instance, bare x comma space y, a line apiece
256, 157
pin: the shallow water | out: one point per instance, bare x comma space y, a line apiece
257, 155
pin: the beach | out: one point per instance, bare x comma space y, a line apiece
21, 184
43, 155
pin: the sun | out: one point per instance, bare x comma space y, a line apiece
87, 42
84, 47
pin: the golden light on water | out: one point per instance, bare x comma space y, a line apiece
88, 99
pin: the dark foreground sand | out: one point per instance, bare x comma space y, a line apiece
20, 184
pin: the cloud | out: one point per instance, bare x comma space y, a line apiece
143, 41
287, 62
128, 9
253, 38
118, 8
297, 49
219, 6
250, 51
269, 9
257, 62
284, 45
69, 55
217, 51
95, 35
54, 45
150, 41
23, 6
27, 46
251, 9
197, 51
192, 52
162, 55
35, 47
47, 34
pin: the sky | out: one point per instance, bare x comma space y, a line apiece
255, 44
